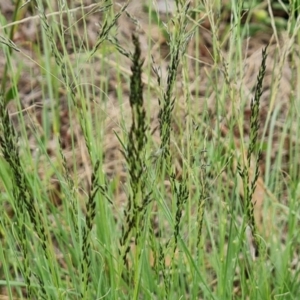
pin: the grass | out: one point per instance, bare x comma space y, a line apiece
139, 174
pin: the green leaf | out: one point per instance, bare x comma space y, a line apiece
10, 95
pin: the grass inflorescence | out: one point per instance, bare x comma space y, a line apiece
250, 183
135, 155
25, 206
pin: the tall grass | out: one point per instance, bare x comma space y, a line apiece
197, 205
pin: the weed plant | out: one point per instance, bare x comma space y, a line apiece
190, 197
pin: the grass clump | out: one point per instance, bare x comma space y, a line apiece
134, 225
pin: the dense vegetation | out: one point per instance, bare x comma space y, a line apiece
157, 158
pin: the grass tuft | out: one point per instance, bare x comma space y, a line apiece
79, 220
